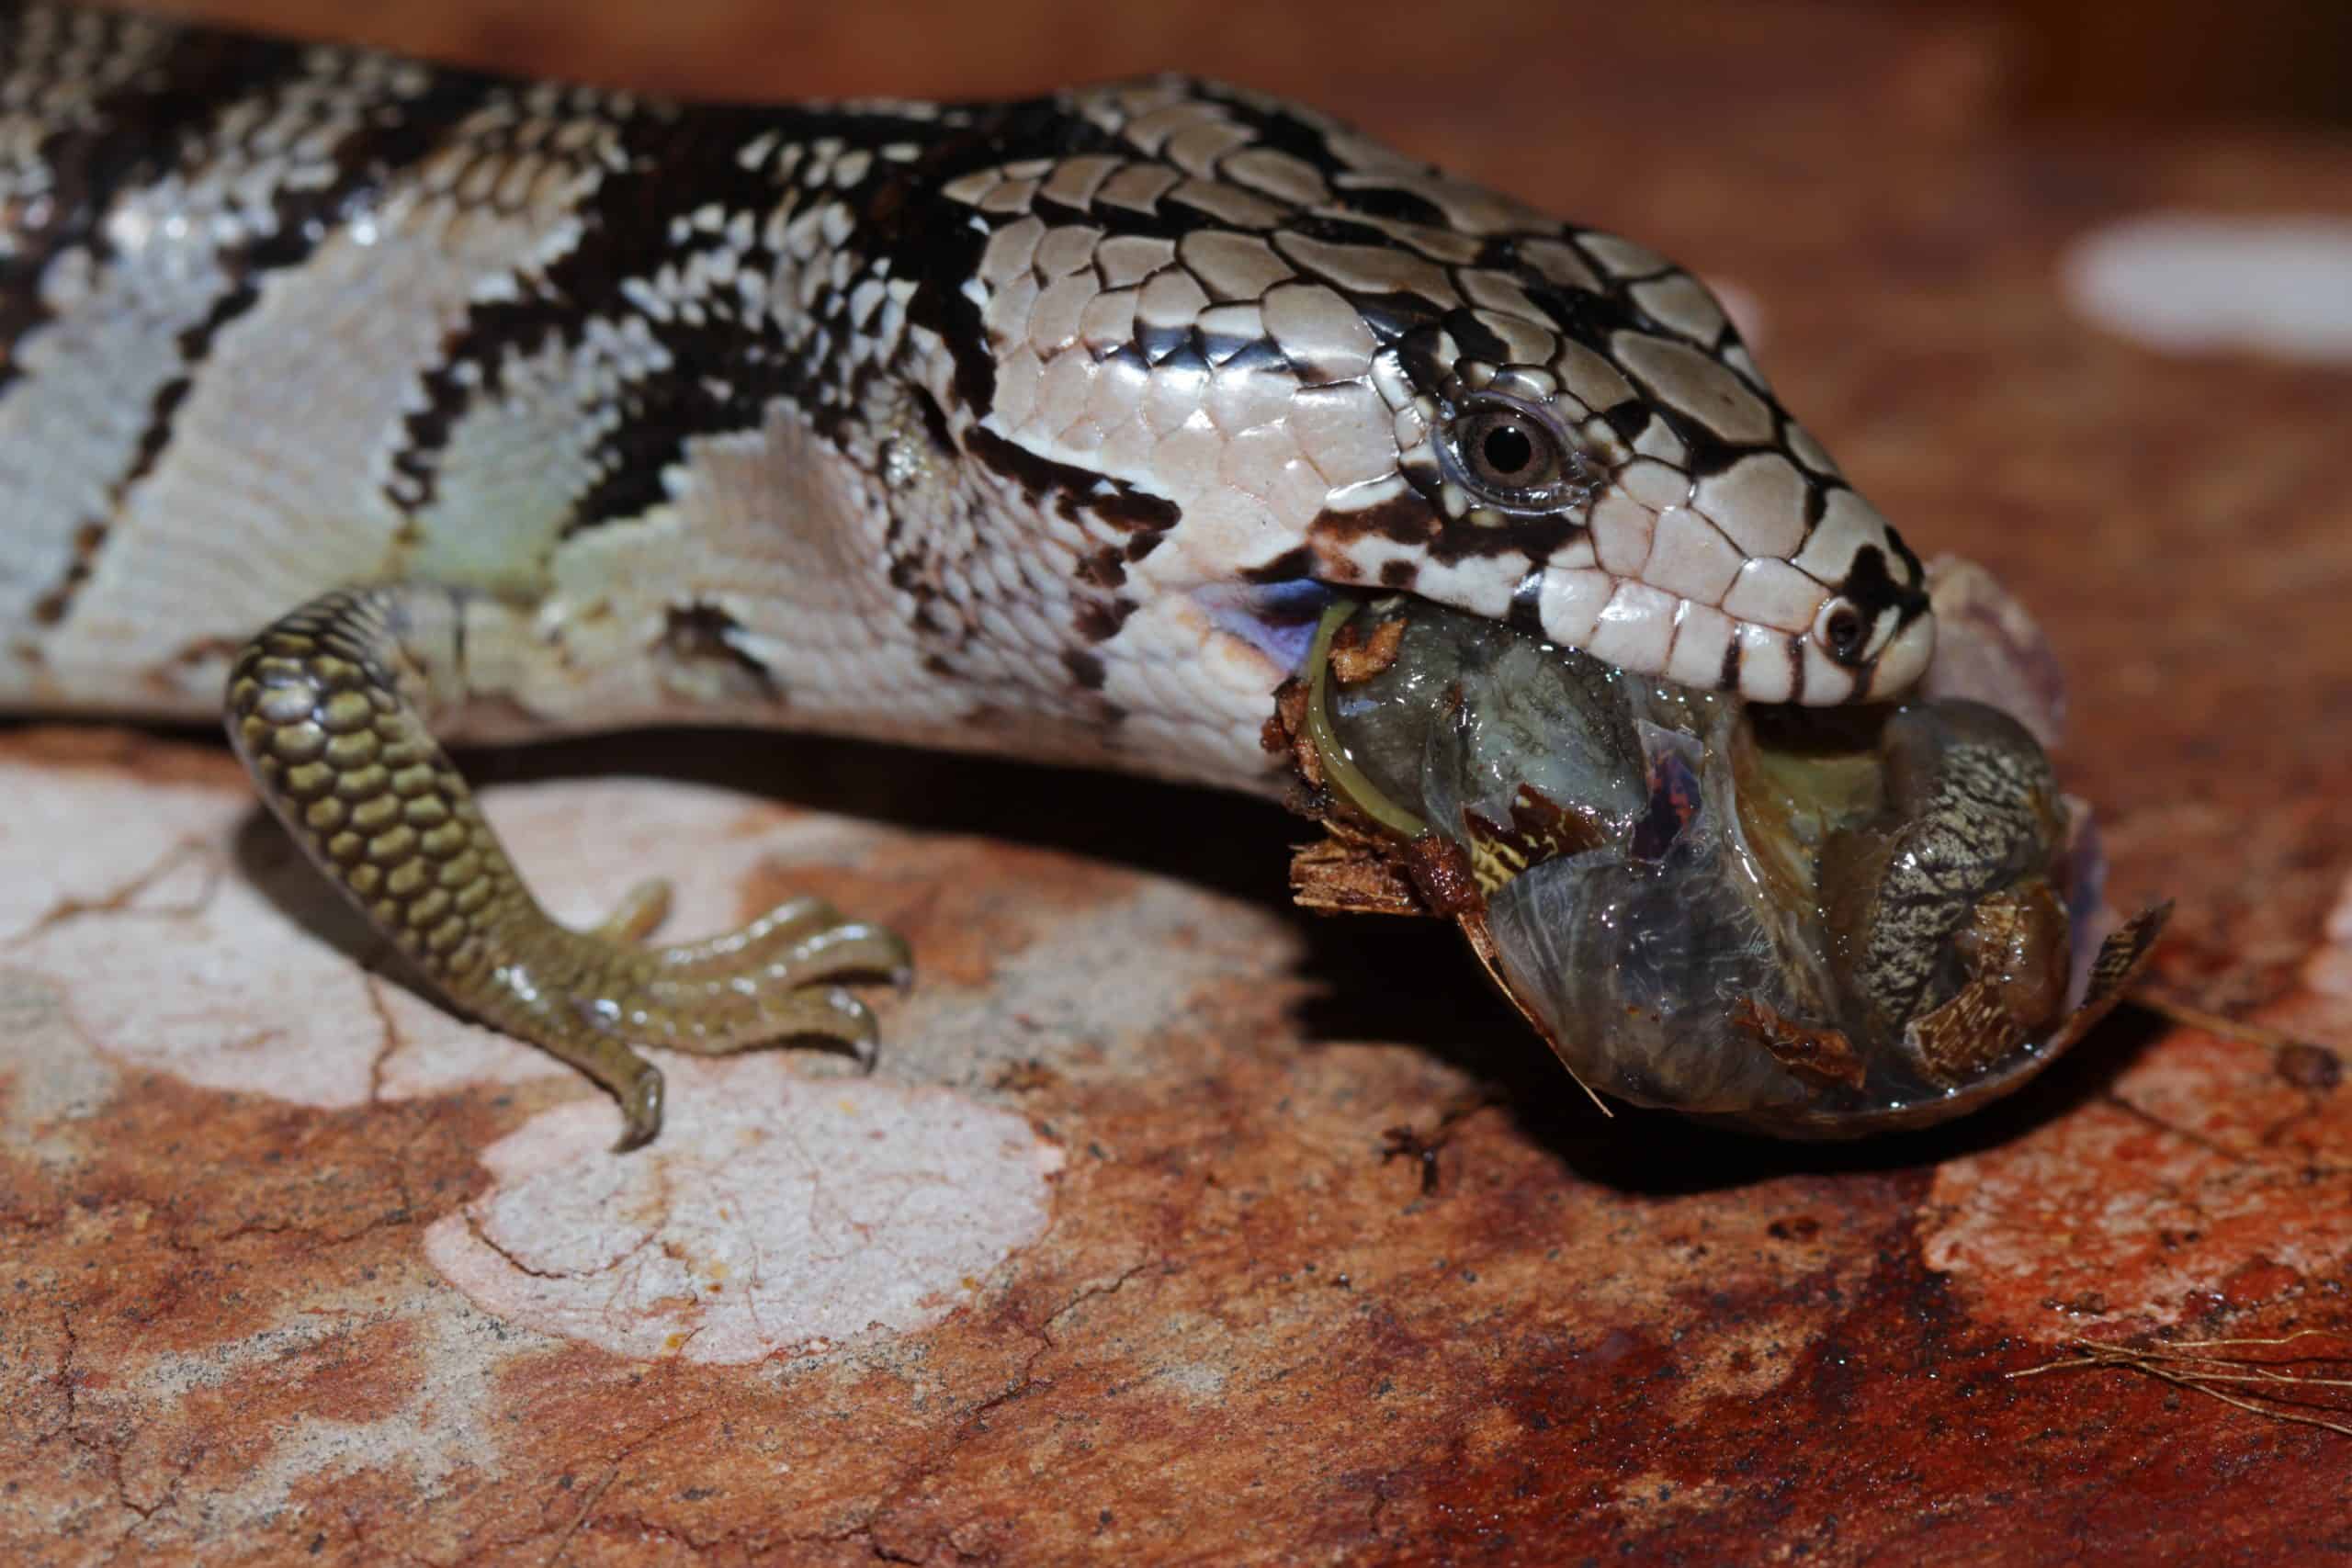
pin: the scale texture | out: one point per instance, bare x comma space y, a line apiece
1016, 426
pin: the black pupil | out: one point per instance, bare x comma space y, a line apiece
1844, 631
1507, 451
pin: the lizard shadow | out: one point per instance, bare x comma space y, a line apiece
1370, 979
269, 861
1225, 843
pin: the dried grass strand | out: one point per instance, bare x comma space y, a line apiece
2183, 1365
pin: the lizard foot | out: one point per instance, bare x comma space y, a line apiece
325, 707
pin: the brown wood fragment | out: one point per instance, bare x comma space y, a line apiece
1348, 872
1286, 731
1823, 1056
1441, 871
1355, 657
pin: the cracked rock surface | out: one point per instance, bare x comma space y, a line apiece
1106, 1263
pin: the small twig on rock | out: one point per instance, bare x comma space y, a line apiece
2306, 1064
1406, 1142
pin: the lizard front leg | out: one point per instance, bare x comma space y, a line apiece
328, 707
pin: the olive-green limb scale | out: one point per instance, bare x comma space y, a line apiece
328, 709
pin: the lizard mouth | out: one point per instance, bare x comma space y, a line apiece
1814, 922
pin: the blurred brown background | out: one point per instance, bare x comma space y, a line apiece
1952, 64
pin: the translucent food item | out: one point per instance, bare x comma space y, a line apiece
1814, 922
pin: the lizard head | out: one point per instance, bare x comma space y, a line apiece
1340, 365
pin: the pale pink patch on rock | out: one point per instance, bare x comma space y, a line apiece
130, 897
775, 1214
73, 842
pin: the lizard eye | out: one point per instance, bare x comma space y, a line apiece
1504, 453
1512, 458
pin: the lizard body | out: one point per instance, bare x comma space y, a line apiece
1039, 427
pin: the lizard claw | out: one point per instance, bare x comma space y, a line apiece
321, 709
